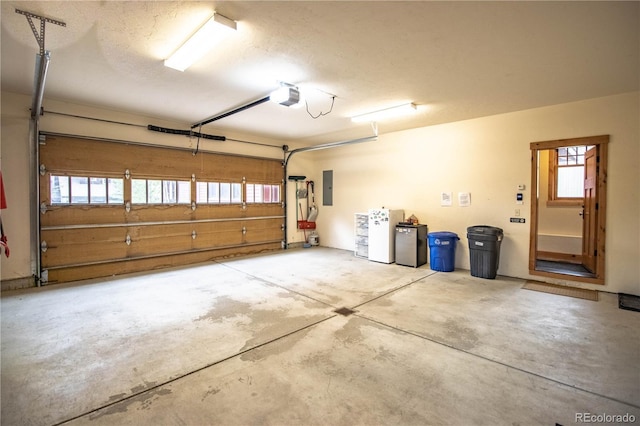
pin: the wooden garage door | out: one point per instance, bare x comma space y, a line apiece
109, 208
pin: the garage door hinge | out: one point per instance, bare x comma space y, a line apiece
244, 230
43, 170
194, 234
43, 208
128, 240
42, 139
44, 276
43, 246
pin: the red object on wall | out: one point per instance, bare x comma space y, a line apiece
3, 200
3, 205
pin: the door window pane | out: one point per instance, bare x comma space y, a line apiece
115, 190
154, 191
79, 190
98, 190
259, 192
59, 188
267, 193
169, 192
184, 192
250, 193
201, 192
214, 192
225, 192
236, 193
571, 182
139, 191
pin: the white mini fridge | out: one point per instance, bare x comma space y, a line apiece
382, 228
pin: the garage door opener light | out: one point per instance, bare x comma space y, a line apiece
286, 95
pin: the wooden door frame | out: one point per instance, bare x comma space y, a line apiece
590, 210
602, 143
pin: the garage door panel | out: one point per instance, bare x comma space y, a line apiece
159, 213
90, 240
58, 275
69, 237
67, 154
256, 210
159, 244
262, 235
253, 169
216, 211
174, 238
218, 234
70, 154
60, 216
82, 215
87, 252
73, 246
264, 230
66, 247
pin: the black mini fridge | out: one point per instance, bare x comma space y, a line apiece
411, 245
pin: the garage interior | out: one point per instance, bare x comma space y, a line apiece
186, 245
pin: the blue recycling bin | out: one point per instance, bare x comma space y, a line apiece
442, 248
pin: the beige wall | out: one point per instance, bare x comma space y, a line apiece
14, 162
489, 157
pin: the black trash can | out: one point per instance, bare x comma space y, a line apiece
484, 250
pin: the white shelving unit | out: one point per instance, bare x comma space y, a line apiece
362, 235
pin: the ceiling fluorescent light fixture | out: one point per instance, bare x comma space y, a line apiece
285, 95
383, 114
208, 35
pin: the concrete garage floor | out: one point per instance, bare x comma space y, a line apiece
256, 341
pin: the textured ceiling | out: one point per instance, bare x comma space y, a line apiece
457, 60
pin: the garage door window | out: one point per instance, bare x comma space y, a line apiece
85, 190
156, 191
218, 193
261, 193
